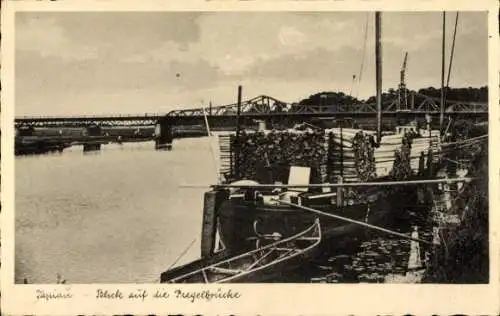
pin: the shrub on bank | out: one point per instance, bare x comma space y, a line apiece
463, 255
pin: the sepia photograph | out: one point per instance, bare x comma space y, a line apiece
251, 147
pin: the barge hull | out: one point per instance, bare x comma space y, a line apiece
241, 226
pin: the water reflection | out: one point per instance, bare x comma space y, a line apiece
111, 216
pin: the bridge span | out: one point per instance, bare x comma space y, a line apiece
268, 108
265, 109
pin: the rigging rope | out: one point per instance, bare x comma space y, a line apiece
452, 51
469, 140
349, 220
182, 254
360, 76
212, 150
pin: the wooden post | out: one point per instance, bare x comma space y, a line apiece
430, 165
211, 203
330, 159
231, 158
421, 164
414, 262
341, 153
340, 198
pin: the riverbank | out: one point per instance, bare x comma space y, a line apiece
461, 254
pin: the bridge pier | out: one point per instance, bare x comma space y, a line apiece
91, 147
163, 134
91, 131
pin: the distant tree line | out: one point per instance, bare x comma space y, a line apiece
459, 94
329, 99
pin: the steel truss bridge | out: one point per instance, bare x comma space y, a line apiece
266, 107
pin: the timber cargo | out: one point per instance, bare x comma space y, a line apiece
333, 156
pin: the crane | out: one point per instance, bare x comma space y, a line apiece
402, 92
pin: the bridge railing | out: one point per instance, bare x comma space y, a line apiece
265, 104
93, 116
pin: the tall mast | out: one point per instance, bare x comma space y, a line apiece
402, 95
441, 116
238, 113
237, 143
378, 74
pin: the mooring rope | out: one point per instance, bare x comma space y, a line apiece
182, 254
305, 208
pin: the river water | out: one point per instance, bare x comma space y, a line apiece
122, 215
115, 216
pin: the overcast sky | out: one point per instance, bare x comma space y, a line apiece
107, 63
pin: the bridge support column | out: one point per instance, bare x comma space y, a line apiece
163, 134
91, 147
92, 131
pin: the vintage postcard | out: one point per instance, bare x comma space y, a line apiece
249, 157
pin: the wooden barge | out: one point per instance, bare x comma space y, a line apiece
239, 219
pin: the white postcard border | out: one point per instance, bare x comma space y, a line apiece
280, 299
